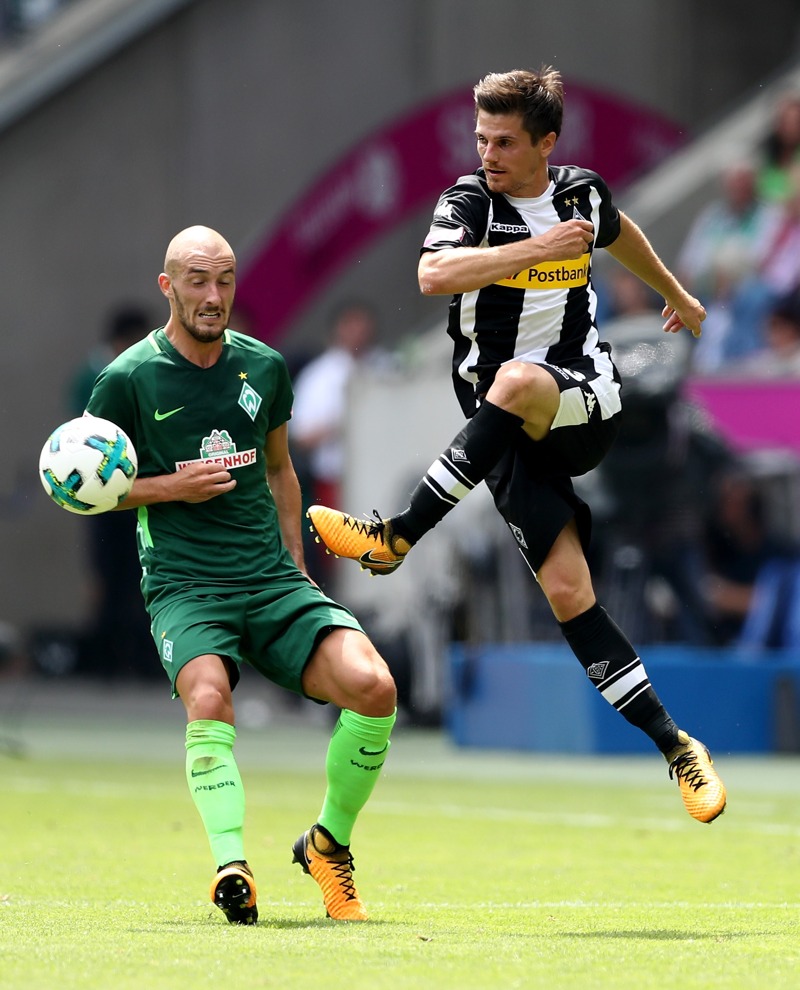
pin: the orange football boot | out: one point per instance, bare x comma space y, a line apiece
331, 865
371, 542
702, 790
233, 890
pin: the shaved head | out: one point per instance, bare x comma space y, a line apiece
199, 280
197, 241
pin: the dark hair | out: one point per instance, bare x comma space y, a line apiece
787, 308
128, 321
538, 97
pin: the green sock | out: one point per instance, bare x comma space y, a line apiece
356, 754
216, 786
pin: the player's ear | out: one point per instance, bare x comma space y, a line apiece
547, 144
165, 284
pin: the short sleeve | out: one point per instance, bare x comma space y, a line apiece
460, 218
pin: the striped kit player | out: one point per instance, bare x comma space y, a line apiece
512, 245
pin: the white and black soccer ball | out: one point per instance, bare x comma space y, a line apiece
88, 465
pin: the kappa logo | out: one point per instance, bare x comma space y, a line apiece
591, 402
444, 212
597, 671
519, 536
458, 455
510, 228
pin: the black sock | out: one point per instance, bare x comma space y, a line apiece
618, 674
459, 468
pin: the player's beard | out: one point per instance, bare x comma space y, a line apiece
204, 335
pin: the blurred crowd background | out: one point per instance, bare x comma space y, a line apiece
283, 126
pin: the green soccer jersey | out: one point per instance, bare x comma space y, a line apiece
176, 412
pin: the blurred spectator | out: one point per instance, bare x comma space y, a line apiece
740, 313
126, 325
738, 546
320, 394
320, 403
626, 295
649, 506
780, 355
117, 642
780, 150
721, 260
316, 430
733, 227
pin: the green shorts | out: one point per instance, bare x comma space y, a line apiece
275, 631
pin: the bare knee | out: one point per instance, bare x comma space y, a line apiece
204, 688
348, 671
513, 383
373, 692
568, 597
207, 701
527, 391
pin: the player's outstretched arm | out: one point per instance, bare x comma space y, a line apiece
633, 250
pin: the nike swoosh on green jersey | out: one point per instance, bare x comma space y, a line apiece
159, 415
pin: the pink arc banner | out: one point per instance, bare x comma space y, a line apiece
399, 170
750, 414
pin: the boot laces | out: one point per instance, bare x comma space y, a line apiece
344, 875
367, 526
686, 767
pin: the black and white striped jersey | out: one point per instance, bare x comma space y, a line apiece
542, 314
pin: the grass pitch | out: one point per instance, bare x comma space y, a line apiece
480, 870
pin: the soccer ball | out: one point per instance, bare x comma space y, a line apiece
88, 465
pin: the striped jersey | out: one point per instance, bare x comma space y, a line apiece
542, 314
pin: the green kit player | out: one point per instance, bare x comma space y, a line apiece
224, 580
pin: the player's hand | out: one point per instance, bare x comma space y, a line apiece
200, 482
689, 313
568, 240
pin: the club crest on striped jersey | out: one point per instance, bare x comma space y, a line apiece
597, 671
519, 536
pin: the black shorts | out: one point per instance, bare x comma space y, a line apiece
532, 484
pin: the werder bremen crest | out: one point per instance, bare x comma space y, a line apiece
249, 400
